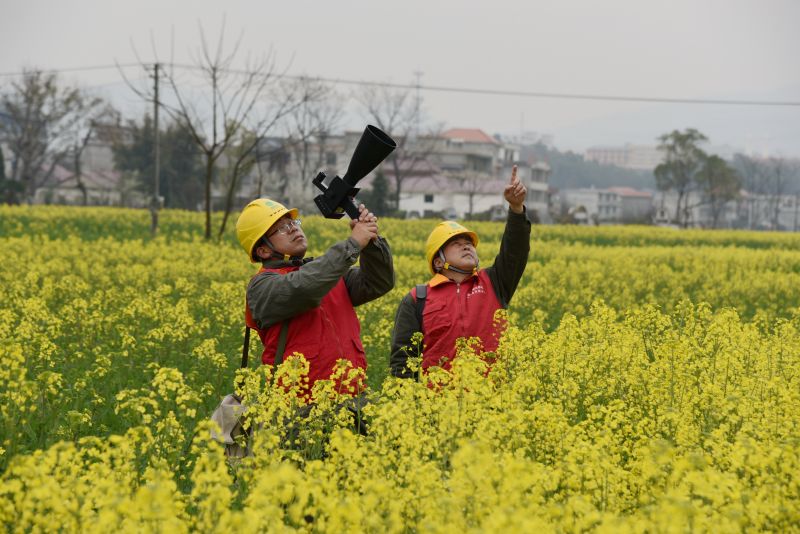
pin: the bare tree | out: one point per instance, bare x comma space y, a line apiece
751, 171
305, 108
236, 102
309, 127
232, 101
770, 180
43, 120
471, 183
272, 158
242, 158
777, 176
397, 113
81, 139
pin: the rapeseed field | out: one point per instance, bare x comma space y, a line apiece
649, 381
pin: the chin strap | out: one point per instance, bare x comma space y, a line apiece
296, 261
456, 269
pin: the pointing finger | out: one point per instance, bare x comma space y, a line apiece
513, 174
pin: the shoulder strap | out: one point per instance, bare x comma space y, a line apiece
246, 346
422, 293
281, 344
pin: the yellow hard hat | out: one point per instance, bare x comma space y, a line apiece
440, 235
256, 218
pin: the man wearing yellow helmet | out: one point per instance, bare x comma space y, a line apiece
461, 299
305, 305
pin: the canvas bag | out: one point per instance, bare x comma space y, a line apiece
229, 414
228, 417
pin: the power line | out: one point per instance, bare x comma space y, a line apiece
568, 96
73, 69
469, 90
529, 94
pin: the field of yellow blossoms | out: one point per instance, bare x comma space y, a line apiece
649, 382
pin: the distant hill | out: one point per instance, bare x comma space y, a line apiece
571, 170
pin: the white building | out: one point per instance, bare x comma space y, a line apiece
599, 205
636, 157
469, 153
427, 191
605, 206
749, 211
94, 188
635, 206
439, 196
471, 149
461, 173
535, 176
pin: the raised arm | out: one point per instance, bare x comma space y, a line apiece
274, 297
375, 275
515, 246
406, 325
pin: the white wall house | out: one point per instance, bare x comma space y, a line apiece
599, 205
635, 206
439, 196
636, 157
612, 205
100, 188
749, 211
462, 171
536, 177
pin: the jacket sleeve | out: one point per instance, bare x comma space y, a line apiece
275, 297
405, 325
375, 275
510, 263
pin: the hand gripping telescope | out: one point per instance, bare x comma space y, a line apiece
337, 198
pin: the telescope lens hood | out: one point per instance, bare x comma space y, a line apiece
372, 148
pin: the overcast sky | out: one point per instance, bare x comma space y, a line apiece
675, 49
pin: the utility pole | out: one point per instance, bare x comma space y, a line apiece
156, 156
418, 75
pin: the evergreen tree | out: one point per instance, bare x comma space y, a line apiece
377, 198
683, 160
181, 170
720, 183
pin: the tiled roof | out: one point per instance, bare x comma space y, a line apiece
421, 182
470, 135
629, 192
65, 179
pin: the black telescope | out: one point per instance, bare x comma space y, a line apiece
337, 197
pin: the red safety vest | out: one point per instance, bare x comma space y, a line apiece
323, 335
454, 310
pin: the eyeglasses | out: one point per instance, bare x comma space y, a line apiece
460, 242
286, 227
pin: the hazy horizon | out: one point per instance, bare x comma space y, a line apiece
685, 50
